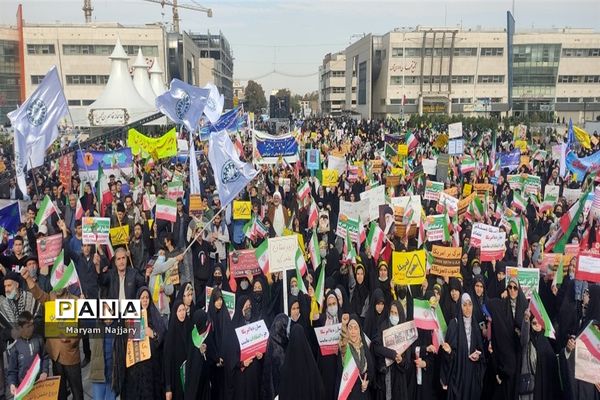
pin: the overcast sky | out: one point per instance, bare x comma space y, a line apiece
293, 36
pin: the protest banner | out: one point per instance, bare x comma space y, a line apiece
510, 160
402, 150
172, 274
477, 232
404, 201
328, 337
493, 246
337, 163
532, 184
551, 261
453, 191
137, 351
429, 166
399, 338
253, 339
270, 149
373, 199
446, 261
587, 366
330, 177
313, 159
456, 147
119, 235
175, 190
515, 181
521, 145
482, 188
65, 172
44, 390
242, 209
551, 194
467, 189
408, 268
455, 130
447, 202
529, 278
48, 248
571, 195
243, 262
376, 166
95, 230
435, 227
161, 147
357, 210
196, 205
433, 190
463, 204
282, 253
347, 224
588, 265
443, 163
116, 162
228, 299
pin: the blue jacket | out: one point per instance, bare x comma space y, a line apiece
20, 358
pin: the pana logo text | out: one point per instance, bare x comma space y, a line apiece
97, 309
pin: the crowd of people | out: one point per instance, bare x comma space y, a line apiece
494, 345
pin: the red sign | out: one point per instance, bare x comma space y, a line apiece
243, 261
65, 167
48, 248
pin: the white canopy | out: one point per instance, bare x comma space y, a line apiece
141, 81
156, 79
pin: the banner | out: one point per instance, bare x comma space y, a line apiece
229, 121
447, 202
477, 232
119, 235
404, 201
402, 150
65, 172
587, 366
455, 130
408, 268
95, 230
242, 262
242, 209
196, 205
328, 337
138, 350
510, 160
551, 194
330, 178
443, 163
358, 210
429, 166
348, 224
337, 163
529, 278
175, 190
588, 266
373, 198
228, 299
117, 163
269, 149
48, 248
434, 226
433, 190
456, 147
313, 161
446, 261
532, 184
571, 195
44, 390
282, 253
482, 188
515, 182
399, 338
253, 339
493, 246
583, 165
157, 148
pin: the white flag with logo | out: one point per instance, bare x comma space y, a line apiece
214, 104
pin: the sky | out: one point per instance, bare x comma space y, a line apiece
292, 37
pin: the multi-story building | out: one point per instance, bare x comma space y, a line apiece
216, 58
239, 93
334, 97
450, 70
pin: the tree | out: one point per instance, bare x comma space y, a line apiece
254, 98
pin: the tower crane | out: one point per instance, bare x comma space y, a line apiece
176, 6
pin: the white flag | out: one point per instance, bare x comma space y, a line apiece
214, 104
194, 178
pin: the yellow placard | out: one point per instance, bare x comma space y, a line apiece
162, 147
397, 171
453, 191
242, 209
119, 235
446, 261
313, 135
408, 268
521, 144
467, 189
524, 160
402, 150
137, 350
376, 166
464, 203
44, 390
330, 177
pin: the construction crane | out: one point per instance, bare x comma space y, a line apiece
87, 10
175, 6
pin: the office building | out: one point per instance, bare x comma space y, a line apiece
332, 85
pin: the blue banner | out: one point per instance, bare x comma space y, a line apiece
118, 159
313, 159
393, 139
277, 147
231, 121
581, 166
510, 160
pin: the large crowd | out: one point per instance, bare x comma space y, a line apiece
493, 344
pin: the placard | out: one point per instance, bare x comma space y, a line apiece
571, 195
493, 246
243, 262
408, 268
463, 204
196, 205
313, 159
455, 130
282, 253
376, 166
452, 191
482, 188
357, 210
242, 209
587, 367
404, 201
477, 232
402, 150
456, 147
228, 299
529, 278
443, 162
399, 338
137, 351
347, 224
588, 266
330, 177
253, 339
532, 184
48, 248
337, 163
373, 198
95, 230
119, 235
446, 261
429, 166
433, 190
44, 390
515, 181
328, 337
448, 202
467, 189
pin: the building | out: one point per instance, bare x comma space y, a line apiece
550, 74
333, 97
216, 62
239, 93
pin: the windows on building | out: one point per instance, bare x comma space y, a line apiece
465, 51
581, 52
491, 51
362, 83
411, 80
395, 80
87, 79
397, 52
579, 79
105, 50
462, 79
462, 100
490, 79
36, 79
40, 49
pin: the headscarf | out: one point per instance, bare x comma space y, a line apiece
466, 298
360, 294
196, 373
238, 316
155, 321
373, 319
275, 355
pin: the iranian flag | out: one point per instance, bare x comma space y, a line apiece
199, 338
468, 164
46, 210
567, 223
519, 202
411, 141
102, 184
78, 210
110, 252
476, 208
313, 214
423, 315
63, 276
539, 312
523, 243
29, 380
438, 335
446, 226
314, 251
301, 263
591, 339
559, 274
166, 209
349, 252
375, 240
303, 190
421, 238
260, 229
362, 234
262, 255
350, 374
248, 229
146, 202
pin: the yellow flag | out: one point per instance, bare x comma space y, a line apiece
582, 136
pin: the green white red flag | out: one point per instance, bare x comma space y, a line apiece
375, 240
423, 315
314, 251
539, 312
46, 210
262, 255
350, 374
29, 380
591, 339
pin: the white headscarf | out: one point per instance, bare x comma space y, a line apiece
466, 298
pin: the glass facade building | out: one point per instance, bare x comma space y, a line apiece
9, 78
